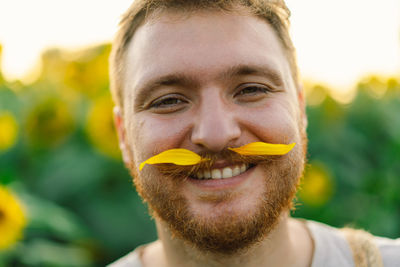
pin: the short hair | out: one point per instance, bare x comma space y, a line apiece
274, 12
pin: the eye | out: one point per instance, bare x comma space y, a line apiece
252, 92
168, 103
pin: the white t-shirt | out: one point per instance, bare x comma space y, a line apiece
330, 249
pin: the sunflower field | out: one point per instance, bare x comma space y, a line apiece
66, 198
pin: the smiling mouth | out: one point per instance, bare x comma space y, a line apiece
222, 173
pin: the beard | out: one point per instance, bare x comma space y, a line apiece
227, 233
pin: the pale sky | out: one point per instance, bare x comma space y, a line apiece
337, 41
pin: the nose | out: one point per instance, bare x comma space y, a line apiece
215, 126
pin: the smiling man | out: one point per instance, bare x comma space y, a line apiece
207, 76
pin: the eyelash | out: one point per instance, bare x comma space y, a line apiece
163, 102
258, 89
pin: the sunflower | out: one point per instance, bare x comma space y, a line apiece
318, 186
9, 130
12, 219
100, 127
49, 123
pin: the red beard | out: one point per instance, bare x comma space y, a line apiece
227, 233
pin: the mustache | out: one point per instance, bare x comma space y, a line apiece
226, 155
180, 156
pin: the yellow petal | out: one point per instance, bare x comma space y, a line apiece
261, 148
177, 156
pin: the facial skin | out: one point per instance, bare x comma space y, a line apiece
205, 83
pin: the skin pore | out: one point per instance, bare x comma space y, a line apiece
207, 82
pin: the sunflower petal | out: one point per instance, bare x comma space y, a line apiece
261, 148
177, 156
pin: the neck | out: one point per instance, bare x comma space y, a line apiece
288, 244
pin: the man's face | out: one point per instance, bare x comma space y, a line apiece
207, 82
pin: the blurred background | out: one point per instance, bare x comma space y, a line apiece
66, 198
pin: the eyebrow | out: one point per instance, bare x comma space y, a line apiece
178, 79
183, 80
260, 70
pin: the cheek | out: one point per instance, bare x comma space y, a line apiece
275, 123
154, 134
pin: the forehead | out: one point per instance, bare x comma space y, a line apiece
201, 45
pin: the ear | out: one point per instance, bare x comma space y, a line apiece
302, 105
119, 126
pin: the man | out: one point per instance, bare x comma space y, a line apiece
207, 76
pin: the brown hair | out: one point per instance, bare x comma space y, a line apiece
275, 12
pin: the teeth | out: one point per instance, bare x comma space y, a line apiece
236, 171
224, 173
227, 172
216, 174
200, 175
243, 168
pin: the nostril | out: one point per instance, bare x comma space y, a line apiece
215, 138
